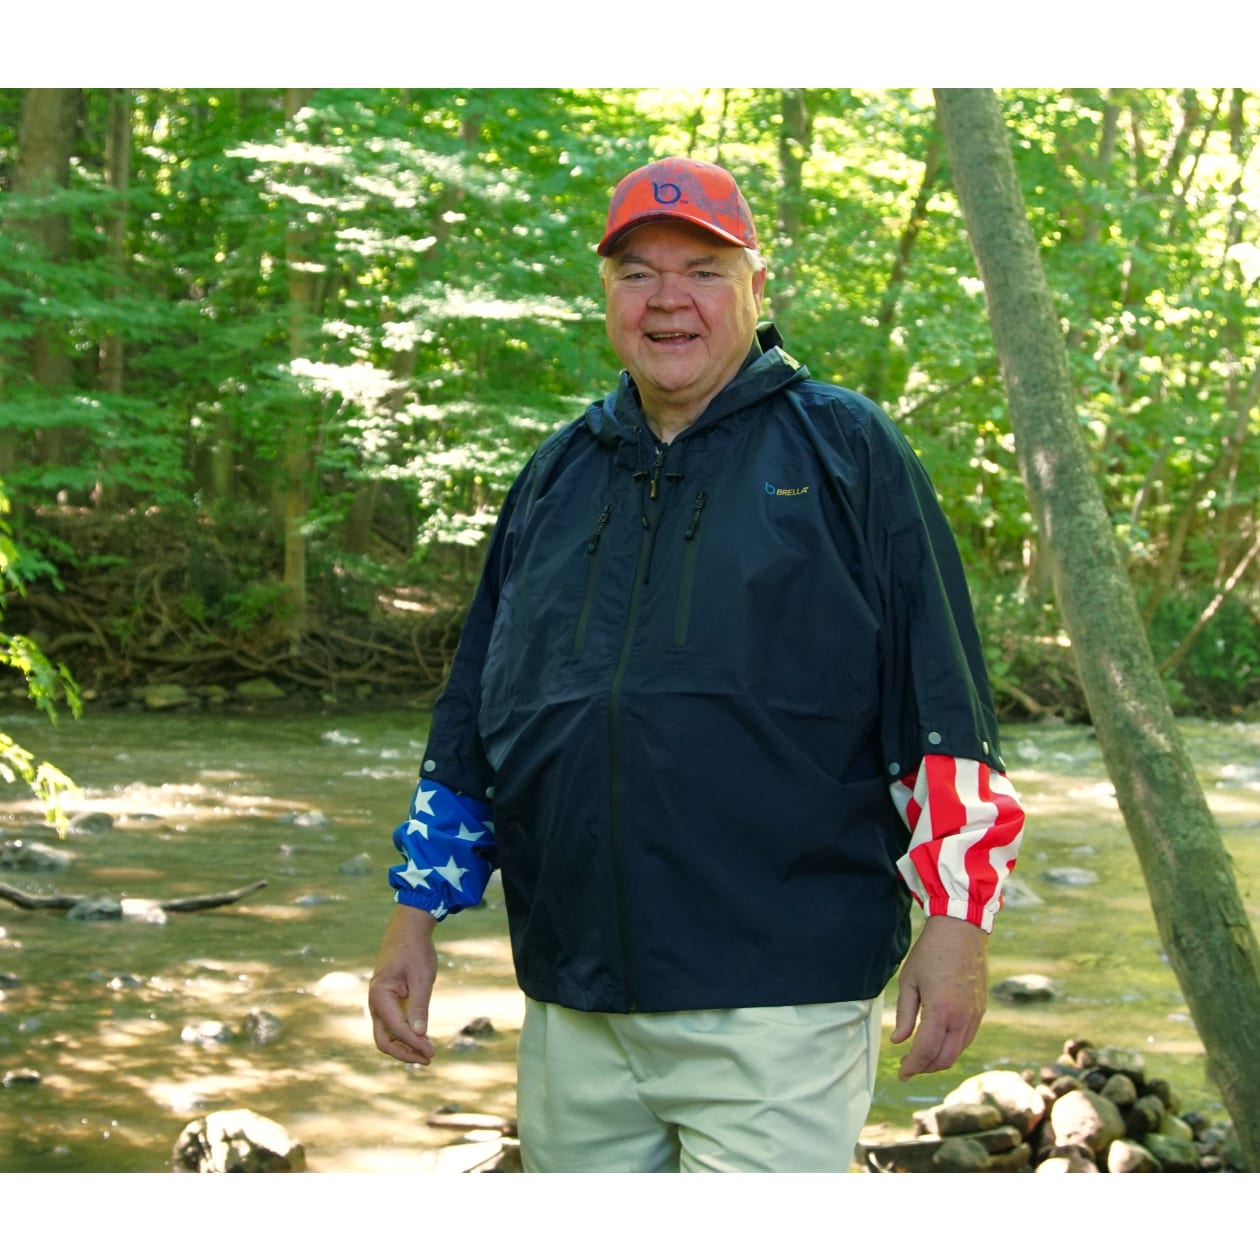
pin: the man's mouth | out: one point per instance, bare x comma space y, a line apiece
671, 336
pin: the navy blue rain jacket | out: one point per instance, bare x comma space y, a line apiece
689, 676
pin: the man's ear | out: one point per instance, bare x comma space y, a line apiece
759, 287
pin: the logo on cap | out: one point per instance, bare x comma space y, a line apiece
666, 194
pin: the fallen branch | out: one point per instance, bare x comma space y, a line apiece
1034, 707
36, 901
208, 901
176, 905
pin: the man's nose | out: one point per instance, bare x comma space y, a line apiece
670, 293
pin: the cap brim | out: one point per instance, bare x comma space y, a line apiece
609, 243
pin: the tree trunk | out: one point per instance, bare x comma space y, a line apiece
44, 147
118, 172
876, 377
795, 138
303, 301
1201, 918
118, 166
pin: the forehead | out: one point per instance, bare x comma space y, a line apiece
673, 241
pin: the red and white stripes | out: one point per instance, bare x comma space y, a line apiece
965, 824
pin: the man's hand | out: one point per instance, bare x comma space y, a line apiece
399, 992
944, 983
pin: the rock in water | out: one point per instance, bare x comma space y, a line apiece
1017, 895
262, 689
91, 908
30, 855
1026, 988
166, 696
263, 1028
236, 1141
91, 824
1071, 876
208, 1032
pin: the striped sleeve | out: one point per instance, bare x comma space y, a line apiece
965, 824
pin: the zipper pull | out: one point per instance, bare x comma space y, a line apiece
599, 529
654, 475
695, 516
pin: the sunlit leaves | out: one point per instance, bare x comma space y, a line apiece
448, 236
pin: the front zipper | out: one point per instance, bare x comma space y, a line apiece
650, 518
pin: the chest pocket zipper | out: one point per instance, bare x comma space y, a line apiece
592, 567
682, 614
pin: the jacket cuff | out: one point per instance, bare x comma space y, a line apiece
966, 824
448, 844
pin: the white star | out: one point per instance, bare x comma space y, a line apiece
414, 825
465, 834
420, 803
452, 874
414, 875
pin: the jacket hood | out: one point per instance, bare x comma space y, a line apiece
767, 369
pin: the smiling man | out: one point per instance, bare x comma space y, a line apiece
681, 311
719, 714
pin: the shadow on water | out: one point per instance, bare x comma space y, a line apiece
117, 1017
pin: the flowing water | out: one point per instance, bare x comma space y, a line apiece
108, 1012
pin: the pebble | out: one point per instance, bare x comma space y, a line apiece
1070, 876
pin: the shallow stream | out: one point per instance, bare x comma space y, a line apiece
108, 1012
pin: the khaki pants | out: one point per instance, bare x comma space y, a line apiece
759, 1089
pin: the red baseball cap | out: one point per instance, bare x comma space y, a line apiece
678, 188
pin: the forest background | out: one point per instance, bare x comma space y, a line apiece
269, 358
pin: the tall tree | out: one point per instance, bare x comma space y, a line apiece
118, 170
1198, 910
45, 147
795, 137
304, 294
885, 319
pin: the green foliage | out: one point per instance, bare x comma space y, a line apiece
261, 604
1221, 671
47, 686
389, 296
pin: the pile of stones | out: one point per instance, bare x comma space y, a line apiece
1093, 1110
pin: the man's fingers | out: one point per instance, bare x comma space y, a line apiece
398, 1032
927, 1052
907, 1012
937, 1045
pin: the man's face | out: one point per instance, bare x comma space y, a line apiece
681, 309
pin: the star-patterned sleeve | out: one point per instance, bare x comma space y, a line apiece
448, 841
965, 824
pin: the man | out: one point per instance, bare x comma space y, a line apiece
719, 713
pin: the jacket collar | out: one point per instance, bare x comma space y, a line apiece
766, 369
